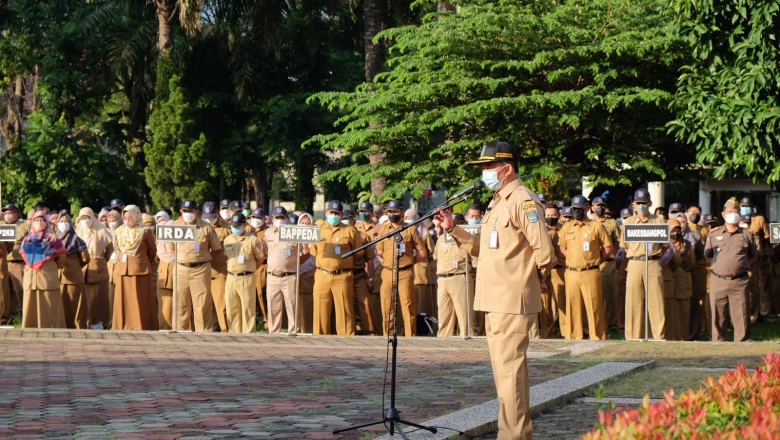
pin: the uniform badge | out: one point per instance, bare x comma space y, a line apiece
719, 238
532, 217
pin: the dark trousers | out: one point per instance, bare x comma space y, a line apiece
730, 297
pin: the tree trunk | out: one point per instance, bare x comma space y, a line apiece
445, 7
36, 105
373, 17
165, 9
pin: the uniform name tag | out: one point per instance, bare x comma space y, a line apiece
197, 247
337, 250
586, 246
454, 264
493, 242
240, 259
403, 248
124, 258
287, 252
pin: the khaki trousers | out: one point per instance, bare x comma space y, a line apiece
407, 301
218, 295
240, 303
194, 304
452, 305
98, 311
306, 302
730, 297
281, 297
329, 291
635, 299
669, 330
699, 292
165, 295
16, 271
363, 304
74, 305
558, 290
5, 297
609, 291
260, 279
585, 288
507, 337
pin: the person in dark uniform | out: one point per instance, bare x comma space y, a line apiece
731, 251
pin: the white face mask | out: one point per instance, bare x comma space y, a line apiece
113, 225
87, 222
188, 217
10, 218
63, 227
407, 221
225, 214
256, 222
732, 218
345, 222
279, 221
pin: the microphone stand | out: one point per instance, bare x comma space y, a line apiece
392, 416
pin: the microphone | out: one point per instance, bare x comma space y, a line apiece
470, 189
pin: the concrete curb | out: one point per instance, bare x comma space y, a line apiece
481, 419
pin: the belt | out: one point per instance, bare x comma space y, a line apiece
582, 269
400, 268
282, 274
240, 274
191, 265
642, 258
333, 272
743, 276
357, 271
558, 266
612, 259
447, 275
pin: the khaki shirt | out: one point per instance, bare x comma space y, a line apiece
554, 233
366, 236
507, 277
219, 260
449, 257
412, 242
730, 252
613, 232
583, 243
425, 270
366, 229
47, 279
760, 231
200, 251
282, 255
333, 244
247, 246
637, 249
141, 263
22, 229
71, 272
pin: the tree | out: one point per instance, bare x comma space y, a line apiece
581, 87
727, 98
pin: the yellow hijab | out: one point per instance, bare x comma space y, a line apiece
129, 239
96, 236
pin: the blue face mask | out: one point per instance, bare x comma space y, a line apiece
490, 179
236, 230
745, 210
246, 213
473, 221
333, 220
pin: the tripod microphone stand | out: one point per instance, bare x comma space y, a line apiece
392, 416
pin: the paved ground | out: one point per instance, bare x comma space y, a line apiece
77, 384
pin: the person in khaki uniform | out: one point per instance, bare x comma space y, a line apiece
43, 254
679, 316
586, 244
554, 288
16, 265
515, 255
193, 297
74, 301
245, 253
413, 250
621, 266
731, 251
165, 273
306, 283
424, 270
334, 279
637, 254
280, 287
5, 285
256, 224
451, 295
218, 263
135, 301
696, 233
608, 268
473, 216
363, 274
760, 281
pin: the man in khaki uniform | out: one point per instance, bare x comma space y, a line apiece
586, 245
731, 251
244, 252
412, 250
637, 254
334, 279
473, 216
679, 315
280, 287
258, 227
194, 303
554, 295
621, 264
451, 294
12, 216
218, 263
608, 267
760, 282
368, 304
515, 255
694, 232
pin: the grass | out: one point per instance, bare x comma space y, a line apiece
686, 354
655, 382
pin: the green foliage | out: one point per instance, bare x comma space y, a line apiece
580, 87
177, 155
727, 97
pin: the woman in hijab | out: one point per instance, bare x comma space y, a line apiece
306, 283
100, 247
164, 277
113, 220
71, 277
135, 302
42, 252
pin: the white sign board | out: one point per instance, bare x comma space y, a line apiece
176, 233
774, 233
7, 232
471, 229
646, 233
299, 233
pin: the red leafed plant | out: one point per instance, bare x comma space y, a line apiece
739, 405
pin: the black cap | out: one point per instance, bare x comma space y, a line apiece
209, 210
395, 205
578, 202
10, 207
745, 201
293, 219
625, 212
237, 219
496, 151
334, 205
560, 204
566, 211
708, 218
244, 205
459, 219
676, 206
366, 206
116, 203
224, 204
746, 217
234, 205
258, 213
349, 213
189, 205
641, 195
542, 198
597, 201
280, 211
